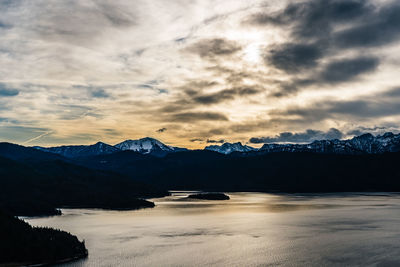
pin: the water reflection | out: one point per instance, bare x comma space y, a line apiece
250, 229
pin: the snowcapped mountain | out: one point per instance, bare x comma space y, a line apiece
99, 148
144, 146
366, 143
363, 144
148, 145
228, 148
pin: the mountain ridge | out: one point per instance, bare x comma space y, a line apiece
363, 144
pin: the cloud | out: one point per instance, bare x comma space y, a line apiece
211, 141
197, 71
210, 48
379, 28
80, 22
321, 30
348, 69
192, 117
6, 92
99, 93
161, 130
301, 137
294, 57
374, 108
225, 95
314, 18
337, 71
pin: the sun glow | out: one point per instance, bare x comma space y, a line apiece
252, 53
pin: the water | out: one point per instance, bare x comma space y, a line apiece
251, 229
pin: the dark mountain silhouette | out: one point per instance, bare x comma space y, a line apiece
37, 187
284, 171
21, 153
80, 151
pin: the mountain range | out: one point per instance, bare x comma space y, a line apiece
37, 180
145, 145
363, 144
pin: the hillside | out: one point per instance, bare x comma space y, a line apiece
22, 244
37, 188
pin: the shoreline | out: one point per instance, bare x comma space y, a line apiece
71, 259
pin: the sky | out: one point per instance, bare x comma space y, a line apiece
197, 72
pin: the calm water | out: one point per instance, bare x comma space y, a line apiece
251, 229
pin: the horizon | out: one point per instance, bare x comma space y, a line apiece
190, 71
220, 143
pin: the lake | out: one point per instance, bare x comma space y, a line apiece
250, 229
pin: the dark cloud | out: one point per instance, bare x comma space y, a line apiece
315, 18
338, 71
210, 48
302, 137
5, 91
99, 93
225, 95
198, 116
340, 110
161, 130
348, 69
393, 92
295, 57
379, 28
211, 141
196, 140
322, 29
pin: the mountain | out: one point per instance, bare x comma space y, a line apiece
17, 152
273, 172
37, 186
228, 148
363, 144
148, 145
99, 148
145, 145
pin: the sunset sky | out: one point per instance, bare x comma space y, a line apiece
195, 72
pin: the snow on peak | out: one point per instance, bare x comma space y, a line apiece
228, 148
145, 145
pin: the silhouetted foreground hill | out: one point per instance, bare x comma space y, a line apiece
283, 171
32, 188
22, 244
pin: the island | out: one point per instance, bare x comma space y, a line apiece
209, 196
22, 244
